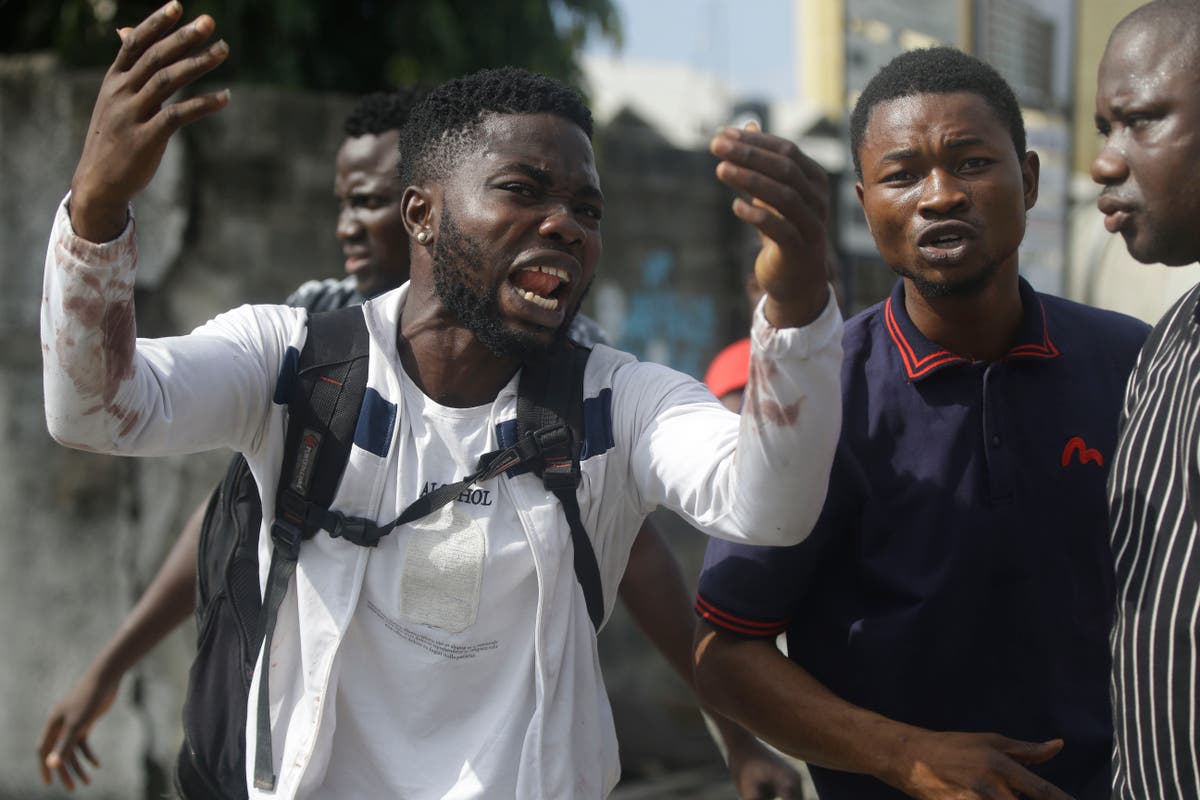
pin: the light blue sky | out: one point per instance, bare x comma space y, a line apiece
746, 43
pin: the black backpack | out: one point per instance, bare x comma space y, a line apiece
323, 407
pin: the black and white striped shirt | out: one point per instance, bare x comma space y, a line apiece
1154, 502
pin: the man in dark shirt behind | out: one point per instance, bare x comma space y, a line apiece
947, 621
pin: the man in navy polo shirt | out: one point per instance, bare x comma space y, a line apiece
947, 621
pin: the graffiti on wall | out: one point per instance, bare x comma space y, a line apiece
657, 322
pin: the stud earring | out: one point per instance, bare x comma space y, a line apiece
423, 237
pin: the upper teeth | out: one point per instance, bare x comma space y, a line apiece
557, 272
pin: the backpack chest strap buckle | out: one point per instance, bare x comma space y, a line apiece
560, 464
356, 530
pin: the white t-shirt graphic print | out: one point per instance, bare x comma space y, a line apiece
428, 604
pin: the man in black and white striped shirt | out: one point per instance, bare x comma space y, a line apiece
1148, 111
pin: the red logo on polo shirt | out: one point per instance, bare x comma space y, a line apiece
1087, 455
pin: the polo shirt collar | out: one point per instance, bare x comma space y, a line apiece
922, 358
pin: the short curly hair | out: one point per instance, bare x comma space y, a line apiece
380, 112
447, 120
936, 70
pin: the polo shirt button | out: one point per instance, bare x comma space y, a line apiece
995, 440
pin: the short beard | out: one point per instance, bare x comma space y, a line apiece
476, 307
970, 287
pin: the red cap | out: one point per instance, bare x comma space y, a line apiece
730, 369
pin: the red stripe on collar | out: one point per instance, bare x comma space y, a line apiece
1046, 349
915, 368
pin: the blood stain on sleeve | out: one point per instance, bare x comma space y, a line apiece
763, 410
101, 370
78, 249
87, 373
89, 279
781, 415
87, 310
119, 344
769, 411
764, 369
129, 418
95, 315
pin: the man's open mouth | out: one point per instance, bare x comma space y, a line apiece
543, 286
944, 249
946, 242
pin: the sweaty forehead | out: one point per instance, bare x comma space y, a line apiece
1148, 54
909, 120
1144, 67
546, 142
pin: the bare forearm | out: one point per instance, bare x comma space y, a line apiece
657, 597
166, 603
754, 684
654, 592
800, 310
96, 221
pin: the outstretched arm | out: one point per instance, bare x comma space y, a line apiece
105, 389
695, 457
166, 603
654, 591
752, 682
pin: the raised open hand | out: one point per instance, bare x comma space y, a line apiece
790, 209
131, 122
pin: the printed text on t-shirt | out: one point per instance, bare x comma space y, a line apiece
476, 497
452, 651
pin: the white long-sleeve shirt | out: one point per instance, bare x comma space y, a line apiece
656, 437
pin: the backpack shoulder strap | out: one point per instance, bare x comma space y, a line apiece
550, 407
331, 381
323, 408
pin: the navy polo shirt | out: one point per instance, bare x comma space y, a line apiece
959, 577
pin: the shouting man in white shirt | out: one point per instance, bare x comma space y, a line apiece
457, 658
